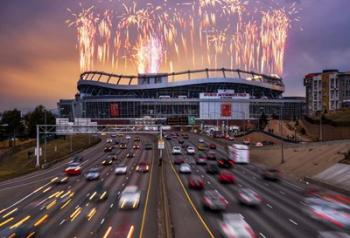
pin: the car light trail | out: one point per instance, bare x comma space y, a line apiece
19, 223
91, 213
131, 231
75, 214
66, 203
6, 221
9, 213
108, 231
41, 220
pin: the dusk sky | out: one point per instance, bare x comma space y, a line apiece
39, 61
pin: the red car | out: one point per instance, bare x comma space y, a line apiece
225, 163
142, 167
226, 177
195, 182
178, 160
212, 146
73, 169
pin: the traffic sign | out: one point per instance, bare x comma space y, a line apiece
191, 120
161, 145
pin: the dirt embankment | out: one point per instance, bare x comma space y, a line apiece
301, 159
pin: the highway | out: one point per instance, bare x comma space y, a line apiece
280, 214
70, 210
43, 208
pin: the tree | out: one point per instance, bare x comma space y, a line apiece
38, 117
11, 123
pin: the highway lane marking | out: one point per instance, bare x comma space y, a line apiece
147, 196
191, 203
269, 205
294, 222
293, 185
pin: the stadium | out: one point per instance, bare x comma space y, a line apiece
209, 96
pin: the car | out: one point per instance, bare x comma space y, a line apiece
108, 148
212, 146
167, 137
107, 162
185, 168
130, 155
201, 147
100, 194
201, 160
234, 225
60, 180
120, 169
130, 197
77, 159
136, 147
211, 156
185, 136
137, 139
148, 147
267, 142
92, 174
109, 140
73, 169
179, 160
176, 150
191, 150
180, 141
230, 138
142, 167
122, 146
271, 174
112, 156
248, 197
213, 200
225, 163
127, 137
201, 140
226, 177
213, 168
195, 182
259, 144
113, 135
116, 142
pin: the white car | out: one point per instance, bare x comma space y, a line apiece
120, 169
109, 140
185, 168
191, 150
130, 198
259, 144
201, 140
127, 137
176, 150
92, 174
234, 225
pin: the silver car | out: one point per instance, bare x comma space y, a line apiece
120, 169
130, 198
185, 168
234, 225
92, 174
213, 200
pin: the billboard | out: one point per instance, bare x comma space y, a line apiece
226, 109
114, 110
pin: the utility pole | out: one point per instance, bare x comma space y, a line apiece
282, 153
37, 146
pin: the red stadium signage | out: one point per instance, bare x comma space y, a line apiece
114, 110
226, 109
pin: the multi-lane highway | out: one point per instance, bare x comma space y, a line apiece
70, 209
37, 206
281, 213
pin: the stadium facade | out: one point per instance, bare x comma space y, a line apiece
200, 96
